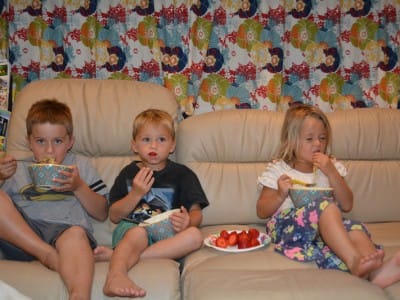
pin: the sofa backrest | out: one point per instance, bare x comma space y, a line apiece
229, 149
103, 113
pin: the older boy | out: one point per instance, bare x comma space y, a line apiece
57, 229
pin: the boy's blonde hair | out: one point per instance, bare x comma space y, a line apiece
49, 111
156, 117
292, 125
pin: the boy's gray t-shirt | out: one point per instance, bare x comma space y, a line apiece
67, 209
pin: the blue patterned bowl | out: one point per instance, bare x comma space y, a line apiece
42, 174
159, 227
301, 196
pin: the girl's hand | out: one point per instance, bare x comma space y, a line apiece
8, 166
143, 181
284, 184
180, 220
323, 162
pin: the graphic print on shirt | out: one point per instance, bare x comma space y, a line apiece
29, 192
156, 201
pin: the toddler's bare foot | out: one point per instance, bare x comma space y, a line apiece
389, 273
367, 264
120, 285
102, 253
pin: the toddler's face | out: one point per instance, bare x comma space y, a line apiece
50, 141
312, 138
153, 144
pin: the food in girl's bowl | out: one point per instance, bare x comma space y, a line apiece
160, 227
301, 195
42, 174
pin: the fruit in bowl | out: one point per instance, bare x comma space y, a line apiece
42, 174
302, 195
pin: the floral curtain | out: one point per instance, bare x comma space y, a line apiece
227, 54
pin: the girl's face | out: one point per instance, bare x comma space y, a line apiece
312, 138
50, 141
153, 143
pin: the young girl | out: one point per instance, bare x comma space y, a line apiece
317, 232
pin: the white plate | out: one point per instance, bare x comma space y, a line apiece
263, 238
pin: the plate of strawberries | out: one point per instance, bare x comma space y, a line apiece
237, 240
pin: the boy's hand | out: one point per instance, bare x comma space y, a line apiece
72, 181
8, 166
180, 220
143, 181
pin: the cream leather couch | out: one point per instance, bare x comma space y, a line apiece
228, 150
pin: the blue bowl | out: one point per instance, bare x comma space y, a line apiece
301, 196
43, 174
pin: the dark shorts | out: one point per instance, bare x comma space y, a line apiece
48, 232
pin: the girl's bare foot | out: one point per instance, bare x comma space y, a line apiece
388, 274
367, 264
120, 285
102, 253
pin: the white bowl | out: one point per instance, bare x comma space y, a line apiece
301, 196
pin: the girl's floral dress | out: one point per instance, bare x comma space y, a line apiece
294, 231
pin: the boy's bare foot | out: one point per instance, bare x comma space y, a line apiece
120, 285
367, 264
102, 253
388, 274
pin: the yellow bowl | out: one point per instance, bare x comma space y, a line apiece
301, 196
43, 174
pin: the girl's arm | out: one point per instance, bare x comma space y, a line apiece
341, 191
270, 199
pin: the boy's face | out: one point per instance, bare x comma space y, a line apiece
50, 141
153, 143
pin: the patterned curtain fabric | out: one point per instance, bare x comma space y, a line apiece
213, 55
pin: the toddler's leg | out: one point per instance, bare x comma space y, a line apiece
124, 257
15, 230
177, 246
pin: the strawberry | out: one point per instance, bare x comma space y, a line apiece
233, 238
254, 233
221, 242
224, 234
254, 242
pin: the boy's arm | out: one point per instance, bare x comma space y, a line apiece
95, 204
124, 206
195, 215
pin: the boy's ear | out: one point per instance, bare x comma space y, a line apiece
133, 146
173, 146
71, 142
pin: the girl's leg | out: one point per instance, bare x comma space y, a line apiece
76, 262
125, 256
15, 230
177, 246
341, 242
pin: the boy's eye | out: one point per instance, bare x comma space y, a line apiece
162, 139
146, 139
40, 141
58, 141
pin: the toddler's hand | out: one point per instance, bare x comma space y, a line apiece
180, 220
143, 181
8, 166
